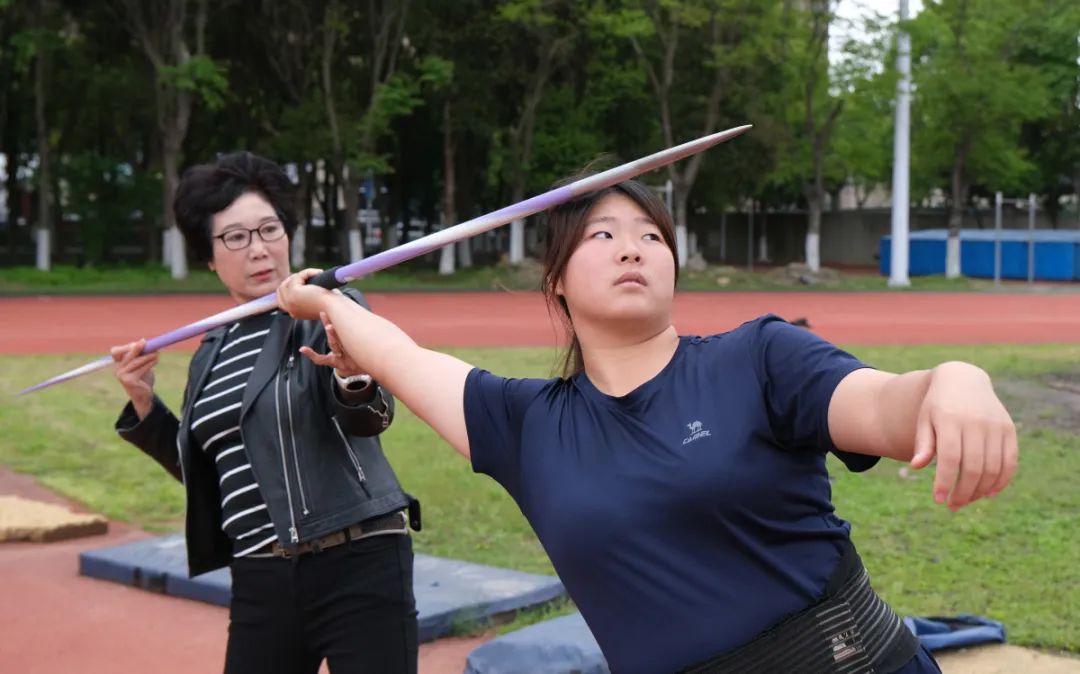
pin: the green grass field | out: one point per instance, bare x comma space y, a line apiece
1016, 558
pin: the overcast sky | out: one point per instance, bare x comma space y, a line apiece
851, 12
857, 8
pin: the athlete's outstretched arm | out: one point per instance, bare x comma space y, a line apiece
950, 413
430, 383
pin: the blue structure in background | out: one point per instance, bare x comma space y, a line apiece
449, 593
1057, 253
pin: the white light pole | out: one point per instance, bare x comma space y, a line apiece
901, 203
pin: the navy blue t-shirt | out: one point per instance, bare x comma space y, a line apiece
690, 514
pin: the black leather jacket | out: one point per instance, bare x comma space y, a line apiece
317, 460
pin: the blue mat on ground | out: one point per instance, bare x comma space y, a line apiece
450, 594
566, 646
557, 646
956, 631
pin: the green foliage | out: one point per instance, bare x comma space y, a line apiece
436, 72
535, 13
973, 93
108, 197
28, 44
862, 143
398, 96
201, 75
539, 88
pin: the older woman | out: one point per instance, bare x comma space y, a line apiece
285, 477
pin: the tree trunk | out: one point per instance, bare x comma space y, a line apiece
763, 238
662, 76
11, 188
302, 208
449, 215
818, 135
171, 180
813, 232
464, 251
352, 213
161, 28
681, 197
151, 230
517, 228
522, 139
330, 215
956, 218
390, 230
815, 197
44, 182
8, 224
336, 166
1076, 191
298, 245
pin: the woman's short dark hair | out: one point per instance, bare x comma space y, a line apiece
208, 189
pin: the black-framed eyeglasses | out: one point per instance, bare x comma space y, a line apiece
240, 238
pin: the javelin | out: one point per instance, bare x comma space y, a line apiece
339, 276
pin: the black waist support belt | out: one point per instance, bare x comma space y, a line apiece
849, 631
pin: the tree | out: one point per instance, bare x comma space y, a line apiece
10, 117
1053, 142
972, 94
810, 103
291, 32
548, 30
103, 158
44, 173
166, 31
37, 44
820, 110
693, 52
460, 100
353, 146
860, 150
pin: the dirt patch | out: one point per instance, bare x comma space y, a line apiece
798, 273
1050, 401
1005, 659
26, 520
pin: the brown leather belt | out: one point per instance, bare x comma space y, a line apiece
393, 523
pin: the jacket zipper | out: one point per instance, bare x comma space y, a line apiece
352, 457
292, 434
294, 537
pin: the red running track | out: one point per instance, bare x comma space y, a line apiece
92, 324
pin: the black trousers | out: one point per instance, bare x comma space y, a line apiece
351, 604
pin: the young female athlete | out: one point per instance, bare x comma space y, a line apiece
679, 483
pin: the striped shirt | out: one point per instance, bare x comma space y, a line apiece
216, 426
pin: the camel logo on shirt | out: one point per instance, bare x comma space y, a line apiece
697, 431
